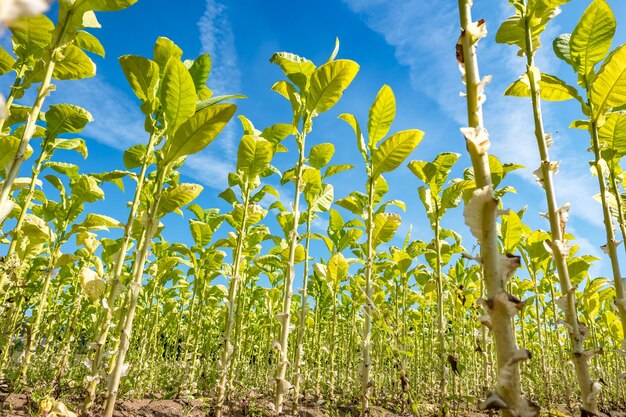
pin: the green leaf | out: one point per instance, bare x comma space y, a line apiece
277, 132
64, 168
6, 61
196, 133
328, 83
336, 169
215, 100
94, 221
384, 227
511, 32
296, 68
435, 174
452, 195
321, 155
133, 156
551, 88
200, 232
75, 65
106, 5
75, 144
178, 95
200, 70
560, 45
381, 115
612, 136
609, 87
177, 196
253, 155
86, 190
88, 42
142, 74
360, 141
591, 39
164, 49
336, 271
31, 35
8, 149
394, 150
511, 231
324, 199
66, 118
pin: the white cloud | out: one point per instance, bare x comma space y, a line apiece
213, 164
118, 122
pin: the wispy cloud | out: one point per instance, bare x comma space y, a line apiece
118, 122
217, 39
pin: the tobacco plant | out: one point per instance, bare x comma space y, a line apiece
481, 212
380, 227
524, 30
604, 95
191, 120
311, 90
437, 200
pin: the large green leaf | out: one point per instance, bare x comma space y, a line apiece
253, 155
591, 39
6, 61
177, 196
328, 83
354, 124
511, 231
296, 68
86, 190
164, 49
551, 88
66, 118
200, 232
612, 136
75, 65
384, 227
133, 156
609, 87
142, 75
88, 42
178, 95
394, 150
8, 149
76, 144
381, 115
105, 5
561, 48
336, 271
196, 133
200, 70
434, 174
321, 155
324, 199
31, 35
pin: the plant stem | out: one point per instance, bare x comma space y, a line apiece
303, 314
227, 349
281, 384
503, 332
135, 287
441, 320
557, 229
366, 360
103, 332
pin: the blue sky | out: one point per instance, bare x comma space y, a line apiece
408, 44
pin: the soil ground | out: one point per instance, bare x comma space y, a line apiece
20, 405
